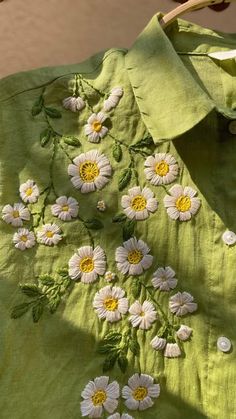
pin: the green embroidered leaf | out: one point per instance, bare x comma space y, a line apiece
123, 362
46, 280
136, 288
19, 310
134, 347
105, 347
124, 178
45, 136
94, 224
128, 229
30, 290
117, 152
52, 112
37, 311
37, 106
119, 218
54, 303
144, 142
72, 141
110, 361
113, 337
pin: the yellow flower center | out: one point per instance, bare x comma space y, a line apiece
183, 203
111, 304
15, 214
134, 256
49, 234
138, 203
140, 393
162, 168
99, 397
97, 126
29, 191
23, 238
88, 171
86, 264
65, 208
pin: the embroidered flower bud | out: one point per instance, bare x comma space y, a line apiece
172, 350
73, 103
158, 343
110, 276
101, 206
184, 332
113, 99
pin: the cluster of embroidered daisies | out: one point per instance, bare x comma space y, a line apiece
99, 395
95, 128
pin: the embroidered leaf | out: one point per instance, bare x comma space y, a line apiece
144, 142
117, 152
37, 106
30, 290
110, 361
123, 362
134, 347
45, 136
128, 229
119, 218
19, 310
105, 347
72, 141
52, 112
46, 280
54, 303
113, 337
124, 178
94, 224
136, 288
37, 311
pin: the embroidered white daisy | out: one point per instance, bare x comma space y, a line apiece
101, 206
164, 279
94, 128
50, 234
29, 191
110, 303
99, 395
140, 391
113, 99
158, 343
120, 416
110, 276
139, 203
142, 315
181, 203
24, 239
87, 264
90, 171
65, 208
172, 350
133, 257
184, 332
15, 215
182, 303
161, 168
73, 103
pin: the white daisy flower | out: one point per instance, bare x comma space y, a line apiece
142, 315
65, 208
50, 234
158, 343
133, 257
15, 215
87, 264
139, 203
172, 350
181, 203
113, 99
29, 191
161, 168
90, 171
94, 128
24, 239
73, 103
140, 391
182, 303
110, 276
101, 206
184, 332
99, 395
164, 279
110, 304
119, 416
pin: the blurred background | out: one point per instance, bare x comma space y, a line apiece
51, 32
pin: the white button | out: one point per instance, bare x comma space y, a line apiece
232, 127
223, 344
229, 237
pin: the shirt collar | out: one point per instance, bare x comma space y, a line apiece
169, 98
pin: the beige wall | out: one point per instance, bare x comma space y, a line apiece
51, 32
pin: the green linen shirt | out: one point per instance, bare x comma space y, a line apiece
117, 258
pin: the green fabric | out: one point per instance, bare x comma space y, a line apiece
182, 98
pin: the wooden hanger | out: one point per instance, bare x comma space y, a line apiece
187, 7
